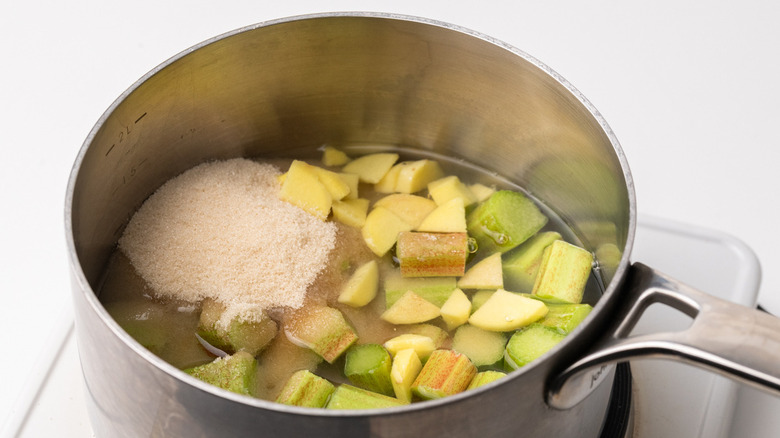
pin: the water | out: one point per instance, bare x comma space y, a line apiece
167, 327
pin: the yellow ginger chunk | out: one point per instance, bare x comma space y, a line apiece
506, 311
381, 230
410, 309
388, 182
333, 182
302, 188
456, 310
481, 191
485, 274
332, 157
444, 189
441, 339
372, 167
449, 217
351, 212
406, 366
422, 345
414, 176
362, 286
352, 181
411, 208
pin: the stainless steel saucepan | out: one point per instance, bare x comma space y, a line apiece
349, 78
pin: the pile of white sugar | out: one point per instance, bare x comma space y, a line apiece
220, 231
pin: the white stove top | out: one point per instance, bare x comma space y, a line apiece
670, 399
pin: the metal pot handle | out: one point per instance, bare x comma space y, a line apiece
730, 339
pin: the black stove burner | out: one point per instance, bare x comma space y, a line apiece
618, 419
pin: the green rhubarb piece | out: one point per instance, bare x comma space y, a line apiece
521, 264
433, 289
504, 221
352, 397
236, 373
322, 329
563, 273
485, 377
484, 348
529, 343
306, 389
565, 317
446, 373
368, 366
249, 336
432, 254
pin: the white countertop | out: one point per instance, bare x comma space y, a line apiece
690, 88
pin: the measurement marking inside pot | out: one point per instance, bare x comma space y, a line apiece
122, 133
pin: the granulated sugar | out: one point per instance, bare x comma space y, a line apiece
220, 231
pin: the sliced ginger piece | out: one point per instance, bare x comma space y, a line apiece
388, 182
351, 212
362, 286
372, 167
406, 366
381, 230
411, 208
333, 157
422, 345
449, 217
414, 176
481, 191
353, 182
449, 187
302, 188
506, 311
410, 309
333, 182
485, 274
456, 310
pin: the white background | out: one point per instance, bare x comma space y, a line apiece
690, 88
